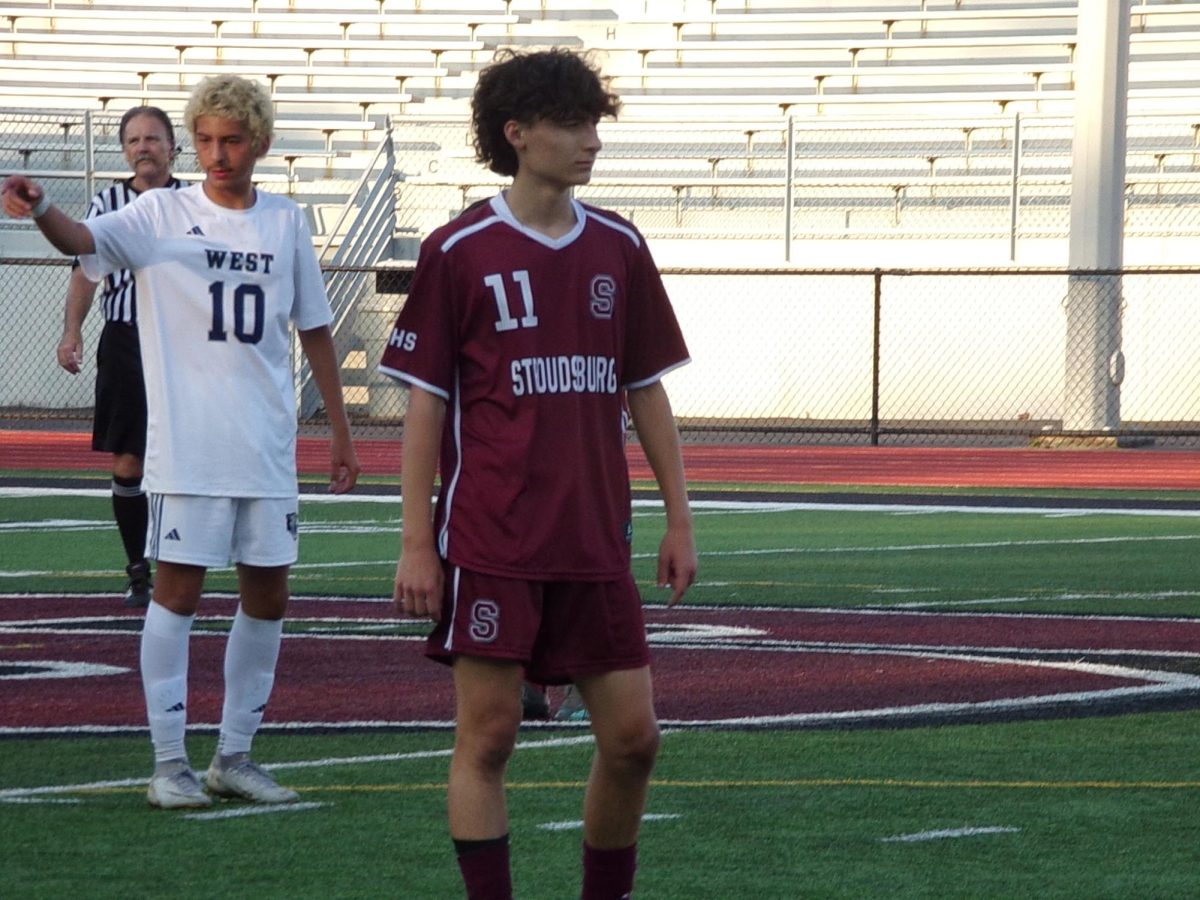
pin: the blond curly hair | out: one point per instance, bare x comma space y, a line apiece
233, 97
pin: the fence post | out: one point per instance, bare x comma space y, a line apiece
878, 278
89, 158
1015, 202
789, 189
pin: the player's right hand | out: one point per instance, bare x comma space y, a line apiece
70, 353
20, 195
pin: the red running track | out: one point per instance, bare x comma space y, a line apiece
740, 463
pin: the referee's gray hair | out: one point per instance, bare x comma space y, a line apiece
153, 112
232, 97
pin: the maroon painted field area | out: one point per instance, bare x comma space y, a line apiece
715, 667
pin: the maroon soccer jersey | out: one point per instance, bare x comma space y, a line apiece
532, 341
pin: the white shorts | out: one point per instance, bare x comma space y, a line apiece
215, 531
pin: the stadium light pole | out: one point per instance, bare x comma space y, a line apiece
1094, 362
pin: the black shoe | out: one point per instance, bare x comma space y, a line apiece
137, 594
534, 703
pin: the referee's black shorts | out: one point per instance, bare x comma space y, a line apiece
119, 422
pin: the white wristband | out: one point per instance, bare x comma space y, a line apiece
40, 208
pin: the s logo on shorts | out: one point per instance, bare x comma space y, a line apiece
485, 621
293, 525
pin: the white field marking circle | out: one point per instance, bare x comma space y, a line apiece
50, 668
715, 637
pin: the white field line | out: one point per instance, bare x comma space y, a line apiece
577, 824
764, 551
733, 505
963, 545
11, 795
1069, 597
725, 506
878, 611
53, 668
944, 833
260, 809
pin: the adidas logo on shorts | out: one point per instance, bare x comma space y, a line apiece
172, 535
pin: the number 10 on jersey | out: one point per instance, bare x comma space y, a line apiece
249, 309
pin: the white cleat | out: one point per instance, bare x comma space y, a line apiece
241, 777
175, 786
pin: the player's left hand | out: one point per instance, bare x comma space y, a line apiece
677, 562
419, 583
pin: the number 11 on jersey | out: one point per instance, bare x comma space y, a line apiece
507, 322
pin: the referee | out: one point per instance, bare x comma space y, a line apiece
119, 421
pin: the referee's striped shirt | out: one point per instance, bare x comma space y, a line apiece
118, 296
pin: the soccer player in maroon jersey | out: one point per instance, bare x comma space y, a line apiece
536, 326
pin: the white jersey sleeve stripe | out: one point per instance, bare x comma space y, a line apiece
615, 226
456, 425
658, 376
467, 232
415, 382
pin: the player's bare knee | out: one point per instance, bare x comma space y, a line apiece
127, 465
487, 741
486, 753
632, 749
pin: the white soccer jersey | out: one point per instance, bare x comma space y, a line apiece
217, 288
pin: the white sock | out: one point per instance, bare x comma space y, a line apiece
164, 661
250, 657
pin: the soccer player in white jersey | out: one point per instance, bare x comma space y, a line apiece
534, 324
147, 140
223, 271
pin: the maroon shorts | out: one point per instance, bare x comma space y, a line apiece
558, 630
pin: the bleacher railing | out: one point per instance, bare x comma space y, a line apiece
366, 225
1004, 180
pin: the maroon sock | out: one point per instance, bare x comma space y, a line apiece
484, 867
608, 874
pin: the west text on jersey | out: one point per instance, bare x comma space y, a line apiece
564, 375
237, 261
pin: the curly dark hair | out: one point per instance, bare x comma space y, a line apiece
559, 85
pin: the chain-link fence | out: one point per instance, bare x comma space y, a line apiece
885, 356
779, 354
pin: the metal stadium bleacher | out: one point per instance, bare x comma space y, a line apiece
709, 88
746, 124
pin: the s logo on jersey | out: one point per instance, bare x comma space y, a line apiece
604, 296
485, 621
